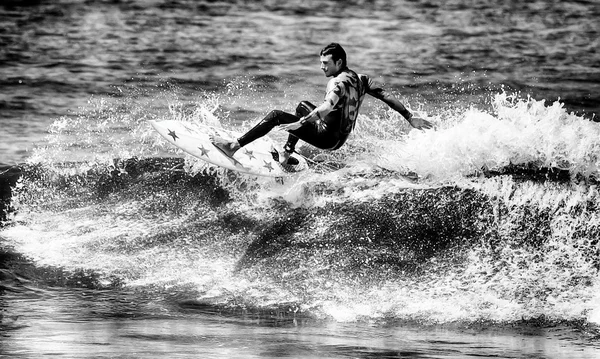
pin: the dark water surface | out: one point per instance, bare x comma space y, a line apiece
124, 247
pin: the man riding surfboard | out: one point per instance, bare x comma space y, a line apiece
328, 125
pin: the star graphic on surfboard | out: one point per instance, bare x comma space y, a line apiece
260, 158
172, 134
204, 151
268, 165
250, 154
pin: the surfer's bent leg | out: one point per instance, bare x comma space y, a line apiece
273, 119
303, 109
325, 135
309, 132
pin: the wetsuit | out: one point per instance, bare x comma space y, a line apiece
336, 115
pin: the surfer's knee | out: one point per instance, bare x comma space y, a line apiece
273, 118
304, 108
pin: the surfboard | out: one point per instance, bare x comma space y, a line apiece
257, 158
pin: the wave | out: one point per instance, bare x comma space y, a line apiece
491, 218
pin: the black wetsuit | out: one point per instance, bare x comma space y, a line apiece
319, 135
337, 114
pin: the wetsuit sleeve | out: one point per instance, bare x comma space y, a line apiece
377, 91
332, 97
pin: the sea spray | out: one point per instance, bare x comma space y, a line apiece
543, 253
518, 132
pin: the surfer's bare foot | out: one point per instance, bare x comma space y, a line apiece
285, 159
226, 146
285, 155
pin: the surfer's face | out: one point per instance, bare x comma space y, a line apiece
329, 67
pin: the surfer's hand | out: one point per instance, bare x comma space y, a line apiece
420, 123
291, 126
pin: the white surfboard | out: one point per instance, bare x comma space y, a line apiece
256, 158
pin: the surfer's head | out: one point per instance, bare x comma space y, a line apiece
333, 59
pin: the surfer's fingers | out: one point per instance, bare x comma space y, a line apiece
424, 124
428, 127
290, 126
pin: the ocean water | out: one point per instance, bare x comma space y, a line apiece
56, 56
122, 246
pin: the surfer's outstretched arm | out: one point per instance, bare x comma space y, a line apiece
384, 96
415, 121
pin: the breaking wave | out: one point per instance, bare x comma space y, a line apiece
492, 217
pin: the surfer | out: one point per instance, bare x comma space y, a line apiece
328, 125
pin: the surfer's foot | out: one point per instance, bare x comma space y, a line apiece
285, 155
285, 160
226, 146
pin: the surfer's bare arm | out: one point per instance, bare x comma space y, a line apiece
318, 114
292, 126
415, 121
334, 94
381, 94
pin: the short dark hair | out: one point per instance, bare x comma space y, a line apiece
336, 51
